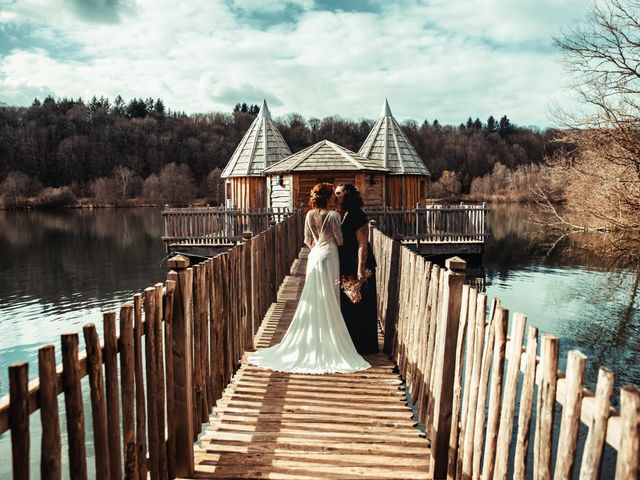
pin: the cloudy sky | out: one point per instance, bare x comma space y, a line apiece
444, 59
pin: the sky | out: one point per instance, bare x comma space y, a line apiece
444, 59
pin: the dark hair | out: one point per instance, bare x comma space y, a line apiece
351, 197
320, 195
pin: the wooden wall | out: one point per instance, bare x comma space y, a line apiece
279, 193
372, 194
246, 192
405, 191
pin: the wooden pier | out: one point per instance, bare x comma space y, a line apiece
429, 230
193, 408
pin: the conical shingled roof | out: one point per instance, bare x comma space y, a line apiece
390, 147
261, 147
325, 156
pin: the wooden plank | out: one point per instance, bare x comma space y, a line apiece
98, 402
51, 445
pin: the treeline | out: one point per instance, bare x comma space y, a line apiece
112, 150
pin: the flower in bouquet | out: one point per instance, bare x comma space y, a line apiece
351, 286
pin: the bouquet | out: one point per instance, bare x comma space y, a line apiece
351, 286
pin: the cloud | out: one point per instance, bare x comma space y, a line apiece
444, 60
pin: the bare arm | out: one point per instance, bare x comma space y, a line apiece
362, 235
337, 229
308, 235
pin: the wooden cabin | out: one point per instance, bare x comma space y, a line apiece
261, 147
389, 147
290, 181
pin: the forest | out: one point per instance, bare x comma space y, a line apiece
109, 151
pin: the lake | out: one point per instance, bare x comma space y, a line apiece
61, 270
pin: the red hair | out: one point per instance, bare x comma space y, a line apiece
320, 195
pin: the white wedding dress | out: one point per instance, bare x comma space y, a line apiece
317, 341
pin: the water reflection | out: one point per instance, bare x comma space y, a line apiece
60, 270
588, 301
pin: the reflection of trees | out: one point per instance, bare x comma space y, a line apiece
81, 252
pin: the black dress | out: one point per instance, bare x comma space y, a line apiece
362, 317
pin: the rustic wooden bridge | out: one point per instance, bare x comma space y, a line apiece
173, 397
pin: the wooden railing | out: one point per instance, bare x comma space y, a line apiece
464, 375
435, 223
153, 383
214, 225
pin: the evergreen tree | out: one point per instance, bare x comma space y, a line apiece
158, 107
118, 106
505, 126
477, 124
469, 124
491, 124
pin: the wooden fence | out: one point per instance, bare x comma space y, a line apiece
435, 223
215, 226
153, 380
464, 375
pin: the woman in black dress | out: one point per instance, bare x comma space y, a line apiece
356, 257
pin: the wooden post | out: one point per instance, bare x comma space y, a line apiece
74, 407
445, 363
98, 401
629, 453
391, 311
568, 438
505, 429
111, 379
127, 389
19, 419
495, 392
182, 367
50, 450
247, 292
167, 308
545, 408
160, 390
590, 468
141, 418
526, 404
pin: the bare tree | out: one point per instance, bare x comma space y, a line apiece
124, 178
213, 187
15, 185
600, 178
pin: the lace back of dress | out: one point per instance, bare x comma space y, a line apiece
325, 234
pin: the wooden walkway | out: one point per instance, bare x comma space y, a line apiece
279, 425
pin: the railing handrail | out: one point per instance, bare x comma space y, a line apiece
416, 302
255, 267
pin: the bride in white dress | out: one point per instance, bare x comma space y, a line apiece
317, 341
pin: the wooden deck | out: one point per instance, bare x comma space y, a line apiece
279, 425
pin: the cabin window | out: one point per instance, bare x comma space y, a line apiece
229, 190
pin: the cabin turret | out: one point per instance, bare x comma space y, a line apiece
389, 147
261, 147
